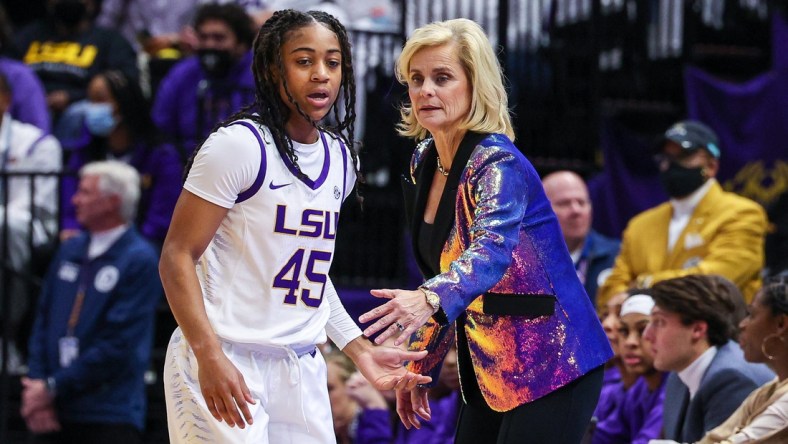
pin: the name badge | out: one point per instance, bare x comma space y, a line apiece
69, 350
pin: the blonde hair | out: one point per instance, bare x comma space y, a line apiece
489, 104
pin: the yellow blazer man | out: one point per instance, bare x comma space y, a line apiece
723, 234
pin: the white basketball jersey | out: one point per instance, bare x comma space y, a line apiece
264, 273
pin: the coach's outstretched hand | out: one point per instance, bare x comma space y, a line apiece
383, 365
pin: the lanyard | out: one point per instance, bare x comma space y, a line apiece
76, 309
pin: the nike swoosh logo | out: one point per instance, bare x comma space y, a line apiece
276, 187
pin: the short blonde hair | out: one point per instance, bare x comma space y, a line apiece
489, 103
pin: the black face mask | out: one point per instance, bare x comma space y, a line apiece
69, 12
215, 62
680, 182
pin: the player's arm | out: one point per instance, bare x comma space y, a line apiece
194, 223
381, 365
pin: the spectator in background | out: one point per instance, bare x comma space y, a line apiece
702, 230
344, 410
115, 124
93, 332
149, 25
259, 10
617, 378
764, 338
32, 218
202, 90
639, 419
592, 253
691, 332
29, 104
66, 49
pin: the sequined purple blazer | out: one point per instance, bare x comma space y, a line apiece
505, 276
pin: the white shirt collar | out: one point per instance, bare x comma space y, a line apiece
101, 241
685, 206
693, 374
575, 255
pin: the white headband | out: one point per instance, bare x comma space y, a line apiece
637, 303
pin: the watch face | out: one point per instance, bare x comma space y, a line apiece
432, 298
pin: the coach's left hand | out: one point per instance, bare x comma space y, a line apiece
404, 313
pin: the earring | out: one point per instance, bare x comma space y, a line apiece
769, 356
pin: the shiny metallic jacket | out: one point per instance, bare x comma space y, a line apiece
505, 272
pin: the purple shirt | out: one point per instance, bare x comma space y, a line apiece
638, 420
612, 395
28, 101
187, 106
374, 426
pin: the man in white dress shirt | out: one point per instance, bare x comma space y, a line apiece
691, 331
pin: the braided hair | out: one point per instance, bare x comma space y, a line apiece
268, 69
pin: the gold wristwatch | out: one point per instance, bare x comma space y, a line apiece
432, 299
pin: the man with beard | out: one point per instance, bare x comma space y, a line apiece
204, 89
701, 230
66, 49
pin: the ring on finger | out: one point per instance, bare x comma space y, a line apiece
399, 326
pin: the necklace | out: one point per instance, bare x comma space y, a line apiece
442, 170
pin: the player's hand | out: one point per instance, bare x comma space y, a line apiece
225, 390
411, 404
383, 366
404, 313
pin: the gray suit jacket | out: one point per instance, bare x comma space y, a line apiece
727, 381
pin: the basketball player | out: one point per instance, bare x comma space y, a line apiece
258, 215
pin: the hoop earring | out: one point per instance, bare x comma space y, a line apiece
766, 340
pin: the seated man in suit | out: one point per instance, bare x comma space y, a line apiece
592, 253
702, 230
691, 331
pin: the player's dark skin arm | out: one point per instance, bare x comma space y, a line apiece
194, 223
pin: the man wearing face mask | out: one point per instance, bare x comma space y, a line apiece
204, 89
701, 230
66, 49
